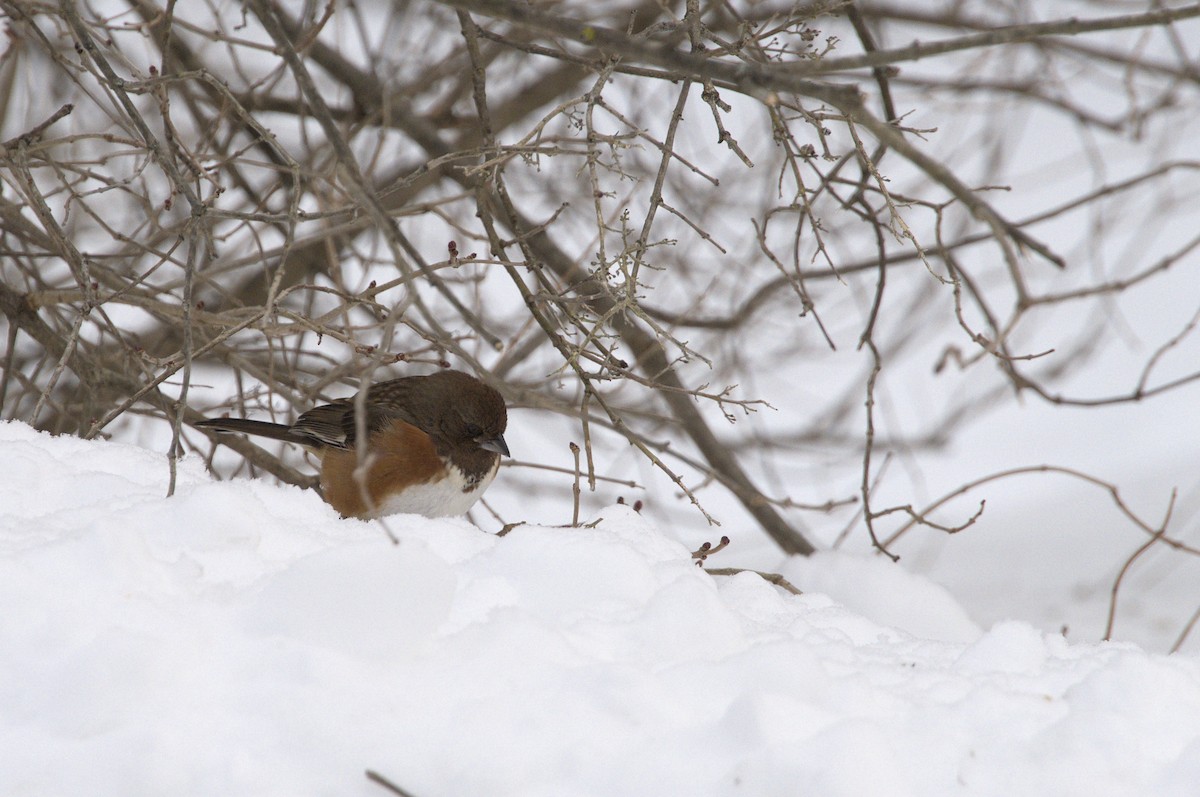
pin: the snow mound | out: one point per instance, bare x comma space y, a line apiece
239, 638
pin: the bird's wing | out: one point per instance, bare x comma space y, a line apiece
333, 424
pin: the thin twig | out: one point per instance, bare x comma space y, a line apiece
774, 578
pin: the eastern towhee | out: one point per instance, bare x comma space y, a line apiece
433, 445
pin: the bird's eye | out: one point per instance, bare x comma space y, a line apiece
473, 430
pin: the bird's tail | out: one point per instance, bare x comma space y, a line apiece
276, 431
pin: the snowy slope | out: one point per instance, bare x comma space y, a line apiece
239, 638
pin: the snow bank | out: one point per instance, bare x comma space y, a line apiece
239, 638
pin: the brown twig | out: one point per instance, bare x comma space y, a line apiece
773, 578
706, 550
376, 778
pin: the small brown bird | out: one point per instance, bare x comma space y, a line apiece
433, 443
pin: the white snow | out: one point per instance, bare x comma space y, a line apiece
240, 638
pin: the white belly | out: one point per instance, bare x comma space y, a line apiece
445, 498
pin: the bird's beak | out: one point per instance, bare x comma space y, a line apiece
496, 444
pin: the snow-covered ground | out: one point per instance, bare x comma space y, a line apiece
239, 638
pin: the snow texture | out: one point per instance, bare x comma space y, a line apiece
240, 638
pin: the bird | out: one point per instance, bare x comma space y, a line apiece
433, 444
